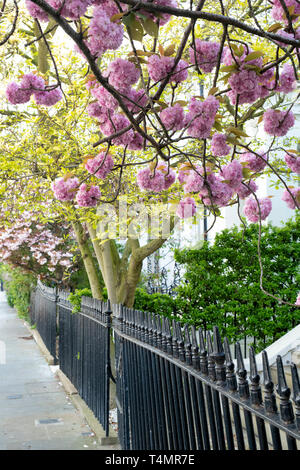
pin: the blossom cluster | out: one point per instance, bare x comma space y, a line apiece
291, 197
156, 180
201, 117
101, 165
293, 162
257, 209
278, 12
205, 55
248, 81
278, 123
122, 75
161, 67
219, 147
69, 188
32, 84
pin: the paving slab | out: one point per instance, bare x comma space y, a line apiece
36, 413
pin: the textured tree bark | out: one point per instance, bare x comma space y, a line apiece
121, 275
88, 260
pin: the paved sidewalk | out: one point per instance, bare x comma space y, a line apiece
35, 411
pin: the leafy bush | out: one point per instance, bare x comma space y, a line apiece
75, 298
18, 287
161, 304
222, 283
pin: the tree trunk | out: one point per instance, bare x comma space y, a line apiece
88, 260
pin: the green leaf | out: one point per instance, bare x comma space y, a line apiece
229, 68
236, 131
151, 27
135, 28
253, 55
275, 27
246, 173
217, 125
170, 50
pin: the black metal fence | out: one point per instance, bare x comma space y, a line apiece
43, 314
79, 343
84, 352
175, 388
177, 391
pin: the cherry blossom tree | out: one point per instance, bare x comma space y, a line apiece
37, 248
145, 100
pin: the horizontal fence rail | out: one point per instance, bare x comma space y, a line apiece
176, 386
177, 390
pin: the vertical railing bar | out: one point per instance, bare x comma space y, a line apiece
296, 393
158, 411
208, 393
176, 400
270, 401
161, 410
195, 361
179, 374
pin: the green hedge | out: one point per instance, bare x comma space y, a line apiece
161, 304
222, 283
18, 289
156, 303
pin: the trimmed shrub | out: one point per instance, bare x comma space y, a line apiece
18, 289
222, 283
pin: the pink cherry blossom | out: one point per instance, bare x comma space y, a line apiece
246, 189
116, 123
88, 197
137, 100
293, 162
64, 189
254, 162
205, 54
186, 208
287, 79
233, 174
194, 181
215, 192
122, 74
103, 34
173, 117
201, 117
219, 147
286, 197
278, 12
101, 165
277, 122
165, 17
151, 181
136, 143
36, 12
48, 97
16, 95
160, 67
254, 212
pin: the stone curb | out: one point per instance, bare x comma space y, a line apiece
87, 413
78, 402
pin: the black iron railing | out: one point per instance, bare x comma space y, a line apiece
43, 314
176, 388
84, 352
83, 346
